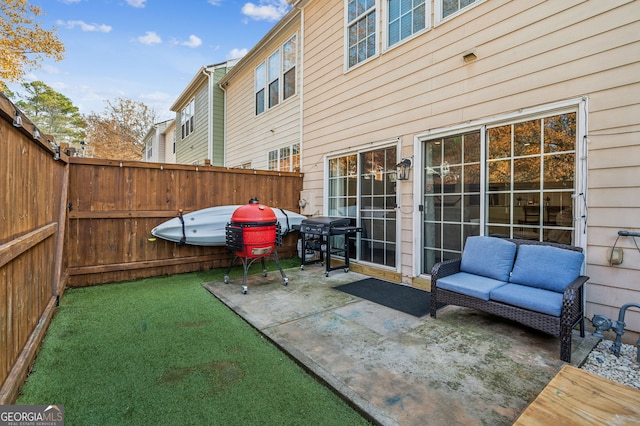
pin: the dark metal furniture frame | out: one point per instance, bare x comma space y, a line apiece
316, 234
572, 312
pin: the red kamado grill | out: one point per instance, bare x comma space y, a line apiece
253, 233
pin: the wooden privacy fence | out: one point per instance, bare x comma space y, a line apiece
32, 226
113, 206
78, 222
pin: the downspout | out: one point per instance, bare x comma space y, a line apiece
224, 124
209, 75
301, 88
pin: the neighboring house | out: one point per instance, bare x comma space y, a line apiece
263, 99
519, 118
170, 143
199, 112
159, 143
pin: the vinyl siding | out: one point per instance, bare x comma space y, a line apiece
218, 118
529, 53
169, 137
251, 137
193, 148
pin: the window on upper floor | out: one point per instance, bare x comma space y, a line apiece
149, 152
275, 79
289, 54
446, 8
260, 86
186, 118
405, 18
361, 30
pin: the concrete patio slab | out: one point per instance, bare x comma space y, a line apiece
465, 367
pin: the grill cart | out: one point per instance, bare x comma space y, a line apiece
316, 235
253, 233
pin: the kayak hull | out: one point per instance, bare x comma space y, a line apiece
206, 227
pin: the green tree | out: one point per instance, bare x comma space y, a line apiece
23, 42
118, 133
52, 112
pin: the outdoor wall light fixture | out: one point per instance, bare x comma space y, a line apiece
17, 120
56, 153
402, 169
36, 133
602, 323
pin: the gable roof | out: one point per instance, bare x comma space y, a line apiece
257, 50
200, 78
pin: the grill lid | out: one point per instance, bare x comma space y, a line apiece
253, 213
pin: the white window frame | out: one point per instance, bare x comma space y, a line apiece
186, 118
274, 73
386, 31
264, 77
376, 33
438, 8
275, 158
325, 195
260, 84
289, 63
578, 105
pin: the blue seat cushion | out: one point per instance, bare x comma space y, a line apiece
530, 298
488, 256
472, 285
546, 267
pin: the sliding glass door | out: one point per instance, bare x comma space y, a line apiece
521, 185
362, 186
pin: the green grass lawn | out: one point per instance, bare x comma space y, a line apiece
163, 351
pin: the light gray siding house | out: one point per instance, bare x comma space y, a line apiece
199, 109
159, 143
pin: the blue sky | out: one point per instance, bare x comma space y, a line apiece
145, 50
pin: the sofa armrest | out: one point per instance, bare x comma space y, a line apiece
573, 301
444, 269
574, 290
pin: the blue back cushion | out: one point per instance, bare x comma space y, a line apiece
488, 256
546, 267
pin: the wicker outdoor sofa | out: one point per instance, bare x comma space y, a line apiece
537, 284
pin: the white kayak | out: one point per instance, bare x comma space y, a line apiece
206, 227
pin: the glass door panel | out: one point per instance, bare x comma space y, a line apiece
377, 206
451, 200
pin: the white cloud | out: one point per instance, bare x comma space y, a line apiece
236, 53
70, 1
102, 28
194, 41
215, 2
136, 3
150, 37
50, 69
266, 10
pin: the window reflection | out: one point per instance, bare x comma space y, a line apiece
530, 191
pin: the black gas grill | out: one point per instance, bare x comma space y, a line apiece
316, 236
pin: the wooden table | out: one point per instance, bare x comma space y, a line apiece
576, 397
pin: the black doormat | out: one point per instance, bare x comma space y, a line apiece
409, 300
